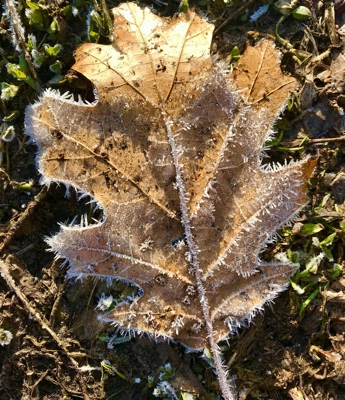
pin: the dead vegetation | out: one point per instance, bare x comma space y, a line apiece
294, 351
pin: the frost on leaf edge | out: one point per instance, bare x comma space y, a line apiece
232, 323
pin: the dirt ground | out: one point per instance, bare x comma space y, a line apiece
294, 350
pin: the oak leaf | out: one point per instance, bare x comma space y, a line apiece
173, 155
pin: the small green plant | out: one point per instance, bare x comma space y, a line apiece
106, 303
299, 13
108, 369
8, 90
7, 134
235, 54
318, 266
5, 337
99, 22
21, 71
113, 340
37, 15
163, 388
184, 6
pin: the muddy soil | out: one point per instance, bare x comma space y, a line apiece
294, 350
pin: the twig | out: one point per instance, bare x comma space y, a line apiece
234, 15
326, 140
329, 21
15, 225
294, 143
5, 272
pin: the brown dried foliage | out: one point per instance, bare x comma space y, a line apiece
173, 154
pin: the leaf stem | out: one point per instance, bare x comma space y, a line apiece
225, 387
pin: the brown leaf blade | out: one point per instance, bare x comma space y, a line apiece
149, 55
259, 76
174, 160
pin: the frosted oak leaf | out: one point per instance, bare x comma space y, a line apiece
172, 153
